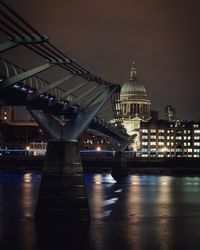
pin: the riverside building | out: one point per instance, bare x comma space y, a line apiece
162, 138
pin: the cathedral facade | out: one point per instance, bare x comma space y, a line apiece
135, 106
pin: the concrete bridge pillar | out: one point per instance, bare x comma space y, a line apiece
120, 169
62, 195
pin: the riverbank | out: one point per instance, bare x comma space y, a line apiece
183, 166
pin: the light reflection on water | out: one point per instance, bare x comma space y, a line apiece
128, 199
136, 212
135, 193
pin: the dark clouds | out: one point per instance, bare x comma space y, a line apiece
162, 37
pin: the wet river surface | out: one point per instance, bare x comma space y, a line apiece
141, 212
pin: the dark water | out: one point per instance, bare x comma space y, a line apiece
142, 212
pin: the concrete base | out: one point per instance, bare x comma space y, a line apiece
62, 194
120, 170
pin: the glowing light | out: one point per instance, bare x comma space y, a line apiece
23, 88
27, 148
165, 149
27, 177
98, 148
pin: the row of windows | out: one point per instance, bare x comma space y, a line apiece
161, 143
186, 150
97, 142
168, 155
145, 131
185, 138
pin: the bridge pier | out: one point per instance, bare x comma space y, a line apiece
120, 170
62, 195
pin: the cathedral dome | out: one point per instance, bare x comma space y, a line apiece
132, 87
133, 99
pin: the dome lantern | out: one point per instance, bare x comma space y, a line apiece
133, 72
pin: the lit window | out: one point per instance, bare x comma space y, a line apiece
145, 131
178, 137
190, 150
144, 143
168, 143
153, 130
153, 143
189, 137
185, 144
172, 137
161, 137
197, 131
172, 144
160, 143
153, 136
196, 143
195, 125
168, 137
161, 130
196, 137
144, 137
196, 150
168, 131
144, 155
189, 144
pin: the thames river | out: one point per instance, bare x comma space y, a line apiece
140, 212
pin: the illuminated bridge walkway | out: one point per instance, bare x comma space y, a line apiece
63, 107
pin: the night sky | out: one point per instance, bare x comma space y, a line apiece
161, 36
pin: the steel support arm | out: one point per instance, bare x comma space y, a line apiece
93, 99
22, 40
52, 86
69, 92
8, 45
27, 74
48, 123
84, 94
75, 127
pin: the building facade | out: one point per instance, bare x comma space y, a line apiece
135, 106
162, 138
